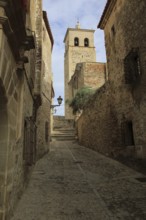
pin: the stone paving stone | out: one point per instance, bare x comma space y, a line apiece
76, 183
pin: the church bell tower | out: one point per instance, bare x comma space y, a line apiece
79, 47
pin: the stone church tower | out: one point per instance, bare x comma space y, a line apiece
79, 47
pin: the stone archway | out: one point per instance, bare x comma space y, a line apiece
3, 146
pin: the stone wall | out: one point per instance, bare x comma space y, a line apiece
98, 126
44, 111
120, 119
94, 74
43, 128
124, 26
10, 124
39, 31
14, 92
61, 122
17, 110
90, 74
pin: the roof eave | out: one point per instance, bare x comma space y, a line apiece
106, 13
48, 27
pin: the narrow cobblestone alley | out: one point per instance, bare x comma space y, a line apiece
73, 182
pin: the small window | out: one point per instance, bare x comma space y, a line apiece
44, 34
113, 30
127, 133
76, 41
86, 42
132, 67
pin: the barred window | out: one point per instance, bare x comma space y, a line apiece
132, 66
76, 41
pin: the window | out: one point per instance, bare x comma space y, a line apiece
132, 67
86, 42
127, 133
76, 41
44, 34
113, 30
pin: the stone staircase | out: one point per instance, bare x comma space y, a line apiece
63, 130
63, 135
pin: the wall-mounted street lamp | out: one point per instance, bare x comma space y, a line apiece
59, 99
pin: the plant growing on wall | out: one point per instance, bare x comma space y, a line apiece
81, 98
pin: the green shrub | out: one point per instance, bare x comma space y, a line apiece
81, 98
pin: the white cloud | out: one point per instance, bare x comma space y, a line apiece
63, 14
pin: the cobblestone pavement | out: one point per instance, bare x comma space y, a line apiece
76, 183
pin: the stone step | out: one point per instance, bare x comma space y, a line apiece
62, 139
63, 132
63, 135
67, 134
64, 129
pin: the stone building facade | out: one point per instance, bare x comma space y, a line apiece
79, 47
20, 96
121, 112
44, 111
90, 74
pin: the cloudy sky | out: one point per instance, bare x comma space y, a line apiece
63, 14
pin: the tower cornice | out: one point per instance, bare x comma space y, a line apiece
78, 30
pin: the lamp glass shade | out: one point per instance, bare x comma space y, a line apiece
59, 100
